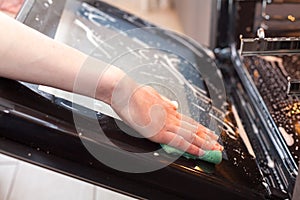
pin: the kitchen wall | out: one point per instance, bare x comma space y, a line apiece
195, 18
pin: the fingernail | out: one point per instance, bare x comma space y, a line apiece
220, 147
216, 147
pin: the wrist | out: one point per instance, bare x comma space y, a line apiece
122, 92
97, 79
108, 83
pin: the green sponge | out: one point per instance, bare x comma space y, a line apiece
209, 156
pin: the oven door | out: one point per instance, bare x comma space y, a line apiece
35, 117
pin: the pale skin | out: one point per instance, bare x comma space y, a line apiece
29, 56
10, 7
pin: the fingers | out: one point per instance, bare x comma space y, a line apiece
210, 133
201, 129
179, 142
182, 132
196, 135
193, 138
177, 124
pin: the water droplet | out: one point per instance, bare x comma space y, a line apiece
46, 5
156, 154
265, 184
271, 163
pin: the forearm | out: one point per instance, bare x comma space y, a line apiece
27, 55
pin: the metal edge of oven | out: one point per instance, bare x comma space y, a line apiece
25, 9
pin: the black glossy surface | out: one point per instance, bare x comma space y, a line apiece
232, 178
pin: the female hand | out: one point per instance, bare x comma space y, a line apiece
156, 118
